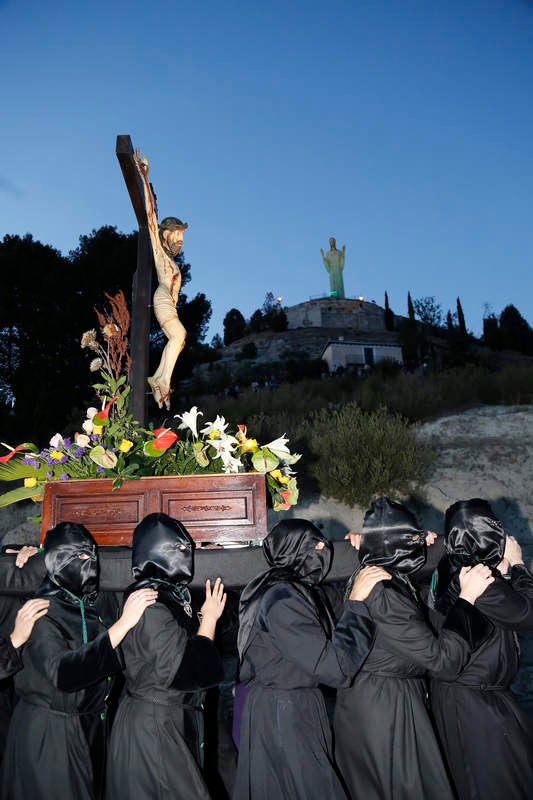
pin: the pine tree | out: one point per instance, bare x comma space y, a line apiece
449, 320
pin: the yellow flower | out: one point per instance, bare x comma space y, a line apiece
214, 433
57, 455
29, 483
98, 429
250, 444
278, 475
125, 446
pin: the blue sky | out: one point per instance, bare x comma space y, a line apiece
404, 129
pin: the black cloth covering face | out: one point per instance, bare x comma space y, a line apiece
385, 744
487, 737
156, 743
285, 744
392, 538
57, 737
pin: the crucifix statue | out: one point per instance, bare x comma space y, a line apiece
166, 240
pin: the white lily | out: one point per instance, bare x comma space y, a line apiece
279, 448
217, 427
231, 464
88, 426
56, 441
189, 419
279, 445
224, 444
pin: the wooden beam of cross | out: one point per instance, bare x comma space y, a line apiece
142, 282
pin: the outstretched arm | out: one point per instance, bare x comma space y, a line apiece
151, 212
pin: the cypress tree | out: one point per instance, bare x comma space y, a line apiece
449, 320
410, 309
388, 315
461, 318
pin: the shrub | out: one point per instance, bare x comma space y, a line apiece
358, 455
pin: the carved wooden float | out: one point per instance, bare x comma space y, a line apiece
213, 508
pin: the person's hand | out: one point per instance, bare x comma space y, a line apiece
354, 538
366, 580
431, 538
23, 554
503, 566
474, 581
136, 605
513, 551
213, 606
26, 618
215, 600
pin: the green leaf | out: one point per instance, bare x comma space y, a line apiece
264, 461
16, 495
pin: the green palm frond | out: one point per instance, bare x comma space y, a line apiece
15, 470
22, 493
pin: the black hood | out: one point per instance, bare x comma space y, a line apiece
392, 538
291, 545
290, 549
162, 550
63, 546
472, 533
163, 558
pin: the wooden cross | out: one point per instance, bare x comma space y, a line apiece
142, 283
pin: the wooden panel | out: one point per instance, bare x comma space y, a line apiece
215, 508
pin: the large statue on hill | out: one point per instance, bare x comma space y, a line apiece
334, 263
166, 239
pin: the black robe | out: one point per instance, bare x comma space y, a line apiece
486, 735
385, 744
156, 742
56, 740
10, 658
285, 746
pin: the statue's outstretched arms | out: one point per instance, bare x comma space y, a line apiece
153, 228
343, 249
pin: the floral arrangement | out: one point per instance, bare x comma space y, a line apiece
112, 444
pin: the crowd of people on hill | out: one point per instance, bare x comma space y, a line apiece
423, 705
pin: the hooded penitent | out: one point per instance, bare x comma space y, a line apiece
72, 578
162, 559
472, 533
472, 536
290, 549
392, 538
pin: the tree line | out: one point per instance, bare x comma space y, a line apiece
47, 302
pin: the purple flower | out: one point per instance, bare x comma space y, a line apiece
50, 460
35, 464
95, 437
63, 459
63, 477
100, 469
78, 452
29, 460
49, 474
67, 442
43, 453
